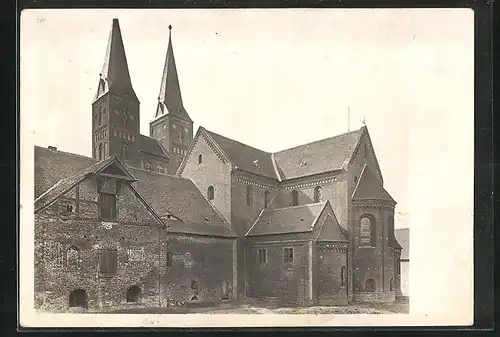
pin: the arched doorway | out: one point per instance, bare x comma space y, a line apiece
225, 290
78, 298
133, 294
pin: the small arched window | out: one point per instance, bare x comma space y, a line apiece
210, 193
368, 232
295, 198
342, 276
160, 169
100, 115
200, 159
370, 285
78, 298
398, 266
391, 284
101, 155
318, 193
266, 199
133, 294
169, 259
181, 136
105, 154
249, 195
124, 151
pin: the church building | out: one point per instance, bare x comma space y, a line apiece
176, 217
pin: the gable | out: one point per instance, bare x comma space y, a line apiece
321, 156
369, 187
331, 230
364, 153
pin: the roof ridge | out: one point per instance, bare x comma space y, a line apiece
236, 141
297, 206
320, 140
66, 152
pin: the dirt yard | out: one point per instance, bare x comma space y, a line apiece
400, 306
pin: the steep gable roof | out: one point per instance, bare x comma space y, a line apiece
331, 230
179, 196
403, 237
295, 219
370, 188
115, 76
65, 184
245, 157
325, 155
51, 165
170, 98
152, 146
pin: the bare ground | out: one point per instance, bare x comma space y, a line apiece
399, 306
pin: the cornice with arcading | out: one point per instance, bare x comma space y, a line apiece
311, 183
365, 204
332, 247
247, 182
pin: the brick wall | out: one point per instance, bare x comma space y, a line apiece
334, 189
287, 281
207, 261
212, 171
376, 262
330, 258
155, 162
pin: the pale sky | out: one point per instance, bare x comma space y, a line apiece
274, 79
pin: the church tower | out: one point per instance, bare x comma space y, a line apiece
115, 109
171, 125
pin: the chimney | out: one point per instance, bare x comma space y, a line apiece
52, 148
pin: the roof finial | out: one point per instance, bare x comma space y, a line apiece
364, 121
169, 30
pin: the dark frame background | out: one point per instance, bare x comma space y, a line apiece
483, 157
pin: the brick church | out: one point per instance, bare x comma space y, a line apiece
177, 217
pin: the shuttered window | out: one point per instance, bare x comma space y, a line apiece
108, 262
108, 206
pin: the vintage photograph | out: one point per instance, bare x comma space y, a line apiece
237, 162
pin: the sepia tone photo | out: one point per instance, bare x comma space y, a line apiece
234, 163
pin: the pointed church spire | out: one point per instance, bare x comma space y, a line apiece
170, 99
115, 76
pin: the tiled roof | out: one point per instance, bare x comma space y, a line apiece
151, 146
403, 236
67, 182
245, 157
321, 156
170, 98
180, 197
370, 188
295, 219
55, 172
332, 231
52, 165
115, 76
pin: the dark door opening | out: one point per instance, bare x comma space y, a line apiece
133, 294
78, 298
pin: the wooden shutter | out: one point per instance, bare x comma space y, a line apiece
108, 206
108, 262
